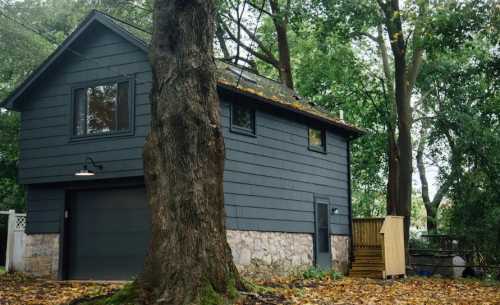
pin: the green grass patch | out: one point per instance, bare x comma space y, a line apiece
2, 270
319, 274
128, 295
256, 288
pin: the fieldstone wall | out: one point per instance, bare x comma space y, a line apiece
41, 256
340, 253
270, 253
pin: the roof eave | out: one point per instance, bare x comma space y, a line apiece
353, 132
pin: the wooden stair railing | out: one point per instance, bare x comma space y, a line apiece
367, 245
378, 247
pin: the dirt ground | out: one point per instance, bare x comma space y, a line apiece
16, 289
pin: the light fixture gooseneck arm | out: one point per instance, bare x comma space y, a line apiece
91, 161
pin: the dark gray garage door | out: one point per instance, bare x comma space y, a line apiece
109, 234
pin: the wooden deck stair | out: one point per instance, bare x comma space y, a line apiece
378, 247
367, 262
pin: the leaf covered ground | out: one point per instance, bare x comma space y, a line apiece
16, 289
348, 291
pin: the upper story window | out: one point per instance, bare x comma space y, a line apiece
102, 108
242, 119
317, 139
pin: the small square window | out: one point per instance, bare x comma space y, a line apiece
242, 119
101, 109
317, 141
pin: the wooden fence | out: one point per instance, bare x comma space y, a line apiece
366, 232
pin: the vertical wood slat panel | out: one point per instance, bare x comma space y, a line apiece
366, 232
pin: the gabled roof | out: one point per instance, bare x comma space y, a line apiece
228, 76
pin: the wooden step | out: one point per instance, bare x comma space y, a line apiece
367, 262
373, 275
368, 259
379, 265
367, 252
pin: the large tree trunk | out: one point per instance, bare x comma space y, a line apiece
184, 161
396, 37
431, 218
393, 177
280, 21
392, 146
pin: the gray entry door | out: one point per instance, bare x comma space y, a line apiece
109, 234
322, 235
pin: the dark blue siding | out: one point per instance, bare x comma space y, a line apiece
45, 209
47, 152
270, 180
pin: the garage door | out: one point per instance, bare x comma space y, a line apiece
109, 234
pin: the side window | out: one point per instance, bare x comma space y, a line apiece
317, 139
102, 109
242, 119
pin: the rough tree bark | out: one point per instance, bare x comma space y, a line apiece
184, 161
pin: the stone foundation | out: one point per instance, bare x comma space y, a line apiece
270, 253
340, 253
41, 256
254, 253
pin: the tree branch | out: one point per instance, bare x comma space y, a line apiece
264, 57
414, 68
219, 33
253, 37
421, 166
260, 8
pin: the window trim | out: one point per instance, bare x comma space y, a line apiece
315, 148
240, 130
104, 81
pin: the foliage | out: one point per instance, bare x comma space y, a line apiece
319, 274
331, 72
11, 193
463, 108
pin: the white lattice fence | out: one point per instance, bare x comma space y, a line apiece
16, 238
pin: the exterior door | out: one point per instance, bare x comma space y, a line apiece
322, 234
109, 232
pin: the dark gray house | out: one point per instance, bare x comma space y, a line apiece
85, 115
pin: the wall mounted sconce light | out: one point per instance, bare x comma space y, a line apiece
335, 211
85, 172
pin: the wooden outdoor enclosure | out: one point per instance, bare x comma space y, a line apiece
378, 247
366, 232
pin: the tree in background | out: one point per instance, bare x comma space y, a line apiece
462, 112
412, 33
238, 21
11, 193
